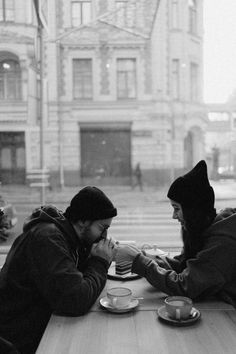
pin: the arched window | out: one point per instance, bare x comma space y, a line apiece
192, 5
10, 78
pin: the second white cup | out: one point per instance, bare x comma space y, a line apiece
119, 297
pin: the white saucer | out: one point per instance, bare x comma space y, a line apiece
163, 315
104, 302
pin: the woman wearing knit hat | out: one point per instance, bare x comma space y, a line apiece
207, 264
57, 265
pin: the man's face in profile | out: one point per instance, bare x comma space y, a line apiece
94, 231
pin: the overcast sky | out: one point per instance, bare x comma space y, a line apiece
219, 49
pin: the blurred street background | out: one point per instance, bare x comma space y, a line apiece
143, 216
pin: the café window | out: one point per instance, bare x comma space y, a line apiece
7, 11
82, 79
192, 5
126, 78
175, 79
10, 80
175, 13
194, 82
81, 12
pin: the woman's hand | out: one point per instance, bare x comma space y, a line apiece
126, 253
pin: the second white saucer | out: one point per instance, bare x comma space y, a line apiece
107, 305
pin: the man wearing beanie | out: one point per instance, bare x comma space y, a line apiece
57, 265
206, 266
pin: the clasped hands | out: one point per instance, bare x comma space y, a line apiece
113, 251
126, 253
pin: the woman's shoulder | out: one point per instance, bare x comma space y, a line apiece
222, 231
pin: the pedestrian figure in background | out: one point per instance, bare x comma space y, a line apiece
206, 266
57, 265
137, 177
215, 163
3, 226
8, 218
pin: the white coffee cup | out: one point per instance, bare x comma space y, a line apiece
119, 297
178, 307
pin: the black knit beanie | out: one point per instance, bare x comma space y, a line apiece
90, 204
193, 189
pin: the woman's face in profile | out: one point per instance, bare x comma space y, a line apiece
178, 213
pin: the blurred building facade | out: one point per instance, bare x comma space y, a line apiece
221, 140
123, 84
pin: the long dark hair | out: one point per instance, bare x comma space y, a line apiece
197, 220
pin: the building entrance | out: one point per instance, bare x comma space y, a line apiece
105, 155
12, 157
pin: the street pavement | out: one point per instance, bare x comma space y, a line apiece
144, 217
120, 195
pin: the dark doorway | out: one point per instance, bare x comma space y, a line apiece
105, 155
12, 157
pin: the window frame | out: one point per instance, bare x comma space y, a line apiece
81, 80
193, 17
194, 82
9, 79
175, 71
76, 21
6, 9
128, 79
120, 3
175, 14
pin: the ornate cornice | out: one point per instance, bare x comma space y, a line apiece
93, 34
14, 37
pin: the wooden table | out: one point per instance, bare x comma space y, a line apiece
140, 331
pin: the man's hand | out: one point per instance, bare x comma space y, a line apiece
126, 253
105, 249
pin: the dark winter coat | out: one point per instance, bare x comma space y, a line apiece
211, 273
47, 270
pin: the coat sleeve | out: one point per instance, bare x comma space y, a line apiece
204, 275
67, 291
170, 263
166, 262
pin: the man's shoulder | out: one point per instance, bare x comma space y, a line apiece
45, 225
47, 229
52, 233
